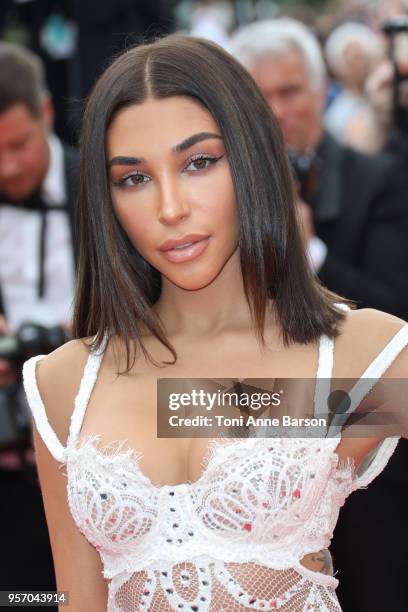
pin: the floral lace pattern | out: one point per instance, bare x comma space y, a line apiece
251, 495
258, 503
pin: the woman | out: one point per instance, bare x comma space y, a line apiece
192, 266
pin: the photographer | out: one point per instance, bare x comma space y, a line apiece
385, 125
393, 80
38, 181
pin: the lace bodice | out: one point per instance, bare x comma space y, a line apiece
232, 540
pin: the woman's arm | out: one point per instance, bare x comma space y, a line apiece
78, 566
379, 401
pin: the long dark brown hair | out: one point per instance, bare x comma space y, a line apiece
116, 286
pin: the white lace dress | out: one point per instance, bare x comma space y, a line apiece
234, 539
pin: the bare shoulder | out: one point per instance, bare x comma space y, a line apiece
58, 378
363, 335
64, 360
371, 322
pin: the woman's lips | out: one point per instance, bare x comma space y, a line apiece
186, 253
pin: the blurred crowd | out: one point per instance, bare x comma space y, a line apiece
335, 75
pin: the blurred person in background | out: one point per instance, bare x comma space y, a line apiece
106, 28
38, 181
356, 204
212, 20
354, 212
387, 93
76, 40
379, 94
382, 126
352, 52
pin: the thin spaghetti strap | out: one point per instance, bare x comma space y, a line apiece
326, 351
36, 405
57, 450
325, 370
85, 389
323, 375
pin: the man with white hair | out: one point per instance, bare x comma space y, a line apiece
352, 52
295, 55
355, 226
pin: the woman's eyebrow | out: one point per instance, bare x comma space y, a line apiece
194, 139
121, 160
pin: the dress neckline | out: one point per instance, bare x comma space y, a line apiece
323, 369
215, 452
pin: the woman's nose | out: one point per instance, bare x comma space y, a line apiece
174, 206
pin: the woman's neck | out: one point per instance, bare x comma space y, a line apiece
220, 306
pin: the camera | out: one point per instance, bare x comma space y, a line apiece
31, 339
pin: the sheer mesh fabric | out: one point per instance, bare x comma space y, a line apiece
219, 587
233, 540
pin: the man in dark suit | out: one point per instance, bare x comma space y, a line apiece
360, 211
355, 222
38, 183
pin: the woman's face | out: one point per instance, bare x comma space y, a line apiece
172, 190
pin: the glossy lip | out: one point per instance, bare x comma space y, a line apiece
187, 253
171, 244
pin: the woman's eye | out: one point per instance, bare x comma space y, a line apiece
133, 179
200, 163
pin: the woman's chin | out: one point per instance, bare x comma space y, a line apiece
192, 282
